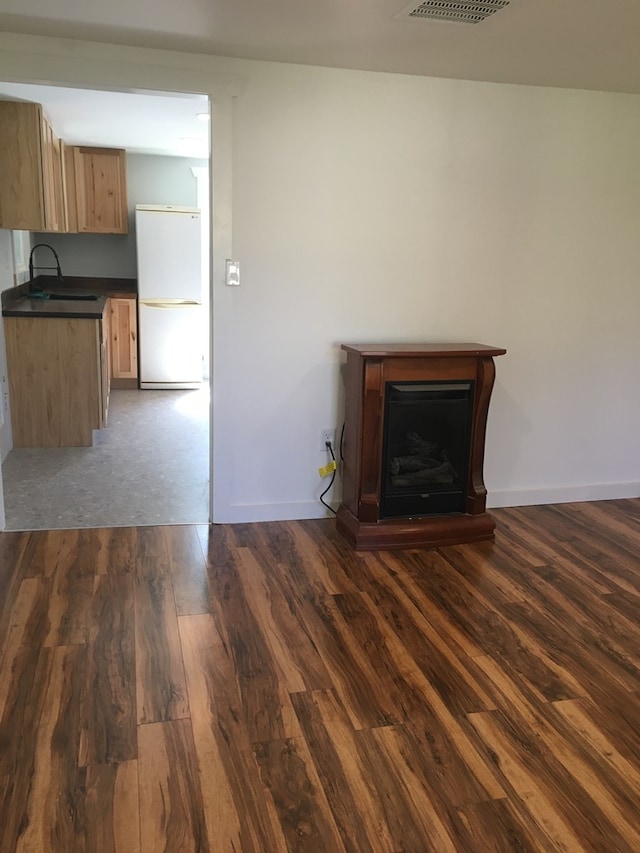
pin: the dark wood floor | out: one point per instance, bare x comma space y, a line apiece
264, 688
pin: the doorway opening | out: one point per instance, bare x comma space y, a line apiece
151, 464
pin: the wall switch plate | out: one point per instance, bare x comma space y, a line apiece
232, 276
328, 435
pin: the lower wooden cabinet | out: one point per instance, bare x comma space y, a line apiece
105, 365
58, 380
123, 342
61, 370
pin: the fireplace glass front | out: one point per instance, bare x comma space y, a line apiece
427, 435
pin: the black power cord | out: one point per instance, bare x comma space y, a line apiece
329, 447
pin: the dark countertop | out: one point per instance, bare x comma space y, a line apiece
17, 303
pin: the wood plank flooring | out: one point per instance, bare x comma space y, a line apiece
263, 688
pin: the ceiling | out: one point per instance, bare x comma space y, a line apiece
584, 44
145, 123
587, 44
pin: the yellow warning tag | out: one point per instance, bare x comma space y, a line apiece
328, 468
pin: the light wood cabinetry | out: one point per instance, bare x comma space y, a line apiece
105, 365
49, 188
70, 202
46, 185
60, 201
124, 342
31, 189
97, 202
58, 380
53, 179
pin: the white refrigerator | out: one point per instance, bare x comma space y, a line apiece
169, 296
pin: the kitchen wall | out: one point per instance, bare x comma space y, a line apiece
381, 207
151, 179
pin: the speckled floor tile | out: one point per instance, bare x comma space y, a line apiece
150, 466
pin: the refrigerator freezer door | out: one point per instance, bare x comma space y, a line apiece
169, 255
170, 344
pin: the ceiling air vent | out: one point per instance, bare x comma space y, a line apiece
467, 12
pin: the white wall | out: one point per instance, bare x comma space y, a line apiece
151, 179
379, 208
371, 207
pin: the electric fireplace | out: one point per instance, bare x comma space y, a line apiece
415, 420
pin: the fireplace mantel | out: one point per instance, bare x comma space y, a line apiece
370, 370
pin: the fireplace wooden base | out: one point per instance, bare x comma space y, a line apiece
429, 532
363, 517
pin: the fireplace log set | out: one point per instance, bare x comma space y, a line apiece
427, 463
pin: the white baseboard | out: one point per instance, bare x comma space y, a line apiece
239, 513
562, 494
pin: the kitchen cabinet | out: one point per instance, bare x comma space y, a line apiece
96, 190
124, 342
58, 379
53, 183
105, 365
69, 177
31, 170
46, 185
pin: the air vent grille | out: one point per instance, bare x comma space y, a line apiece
467, 12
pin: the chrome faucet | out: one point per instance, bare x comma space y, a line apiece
55, 255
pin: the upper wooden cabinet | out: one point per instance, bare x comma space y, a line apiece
46, 185
97, 202
53, 176
31, 189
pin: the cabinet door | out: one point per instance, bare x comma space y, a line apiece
22, 205
124, 342
52, 180
32, 194
57, 395
49, 177
101, 190
58, 183
69, 183
105, 366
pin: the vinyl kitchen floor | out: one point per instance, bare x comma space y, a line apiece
150, 466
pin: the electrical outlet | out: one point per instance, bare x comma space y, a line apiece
328, 435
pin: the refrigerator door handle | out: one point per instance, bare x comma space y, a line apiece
172, 304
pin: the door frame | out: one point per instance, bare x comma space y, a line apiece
78, 64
